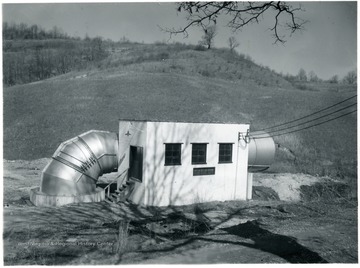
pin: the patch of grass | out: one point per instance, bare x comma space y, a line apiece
330, 192
205, 73
157, 56
122, 238
192, 60
305, 86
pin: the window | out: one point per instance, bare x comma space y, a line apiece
203, 171
225, 152
172, 154
198, 153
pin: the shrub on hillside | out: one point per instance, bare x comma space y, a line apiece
200, 48
304, 86
205, 73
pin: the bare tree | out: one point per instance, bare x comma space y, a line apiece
209, 35
350, 78
241, 14
313, 77
233, 43
302, 75
334, 79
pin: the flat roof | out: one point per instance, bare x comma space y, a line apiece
182, 121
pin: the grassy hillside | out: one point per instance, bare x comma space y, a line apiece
181, 83
191, 60
33, 60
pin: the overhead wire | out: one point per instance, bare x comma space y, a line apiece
271, 133
259, 137
312, 120
319, 111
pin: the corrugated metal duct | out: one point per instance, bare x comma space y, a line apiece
77, 164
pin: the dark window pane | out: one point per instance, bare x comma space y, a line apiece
172, 154
198, 153
225, 152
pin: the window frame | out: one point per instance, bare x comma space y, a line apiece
224, 154
166, 159
198, 155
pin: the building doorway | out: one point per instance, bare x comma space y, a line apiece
136, 163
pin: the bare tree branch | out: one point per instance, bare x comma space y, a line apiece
240, 14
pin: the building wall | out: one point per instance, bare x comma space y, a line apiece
176, 185
131, 133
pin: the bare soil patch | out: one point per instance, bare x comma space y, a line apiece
267, 230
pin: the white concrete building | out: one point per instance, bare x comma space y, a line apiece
176, 163
157, 164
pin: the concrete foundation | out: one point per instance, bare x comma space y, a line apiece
41, 199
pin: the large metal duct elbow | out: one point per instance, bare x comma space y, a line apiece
77, 164
261, 151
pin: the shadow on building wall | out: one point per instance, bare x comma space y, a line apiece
164, 182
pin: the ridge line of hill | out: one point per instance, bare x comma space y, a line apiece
34, 60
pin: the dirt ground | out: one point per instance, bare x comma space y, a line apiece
274, 227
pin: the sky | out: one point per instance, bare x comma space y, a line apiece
327, 46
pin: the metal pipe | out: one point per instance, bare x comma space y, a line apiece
78, 163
